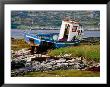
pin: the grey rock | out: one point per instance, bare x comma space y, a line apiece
22, 63
76, 66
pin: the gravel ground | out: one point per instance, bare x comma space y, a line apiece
23, 62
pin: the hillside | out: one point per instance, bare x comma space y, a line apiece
52, 19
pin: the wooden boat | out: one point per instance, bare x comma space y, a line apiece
70, 34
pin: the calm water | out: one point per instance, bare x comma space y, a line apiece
17, 33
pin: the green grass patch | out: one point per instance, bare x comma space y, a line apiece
87, 51
17, 44
63, 73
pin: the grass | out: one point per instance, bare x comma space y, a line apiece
17, 44
87, 51
63, 73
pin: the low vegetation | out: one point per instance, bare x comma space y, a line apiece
87, 51
17, 44
63, 73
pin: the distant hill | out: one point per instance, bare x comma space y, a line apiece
52, 19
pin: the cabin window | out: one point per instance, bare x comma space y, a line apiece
67, 26
79, 32
66, 32
74, 28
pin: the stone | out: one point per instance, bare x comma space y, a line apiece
61, 60
72, 60
76, 66
71, 64
24, 62
67, 55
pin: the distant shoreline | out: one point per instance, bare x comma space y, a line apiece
53, 29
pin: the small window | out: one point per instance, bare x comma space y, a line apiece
74, 28
79, 32
67, 26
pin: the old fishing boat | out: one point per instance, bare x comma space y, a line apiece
71, 33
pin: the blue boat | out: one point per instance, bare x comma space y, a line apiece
70, 34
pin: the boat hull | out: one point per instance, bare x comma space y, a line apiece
44, 45
66, 44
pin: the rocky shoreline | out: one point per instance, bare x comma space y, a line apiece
23, 62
